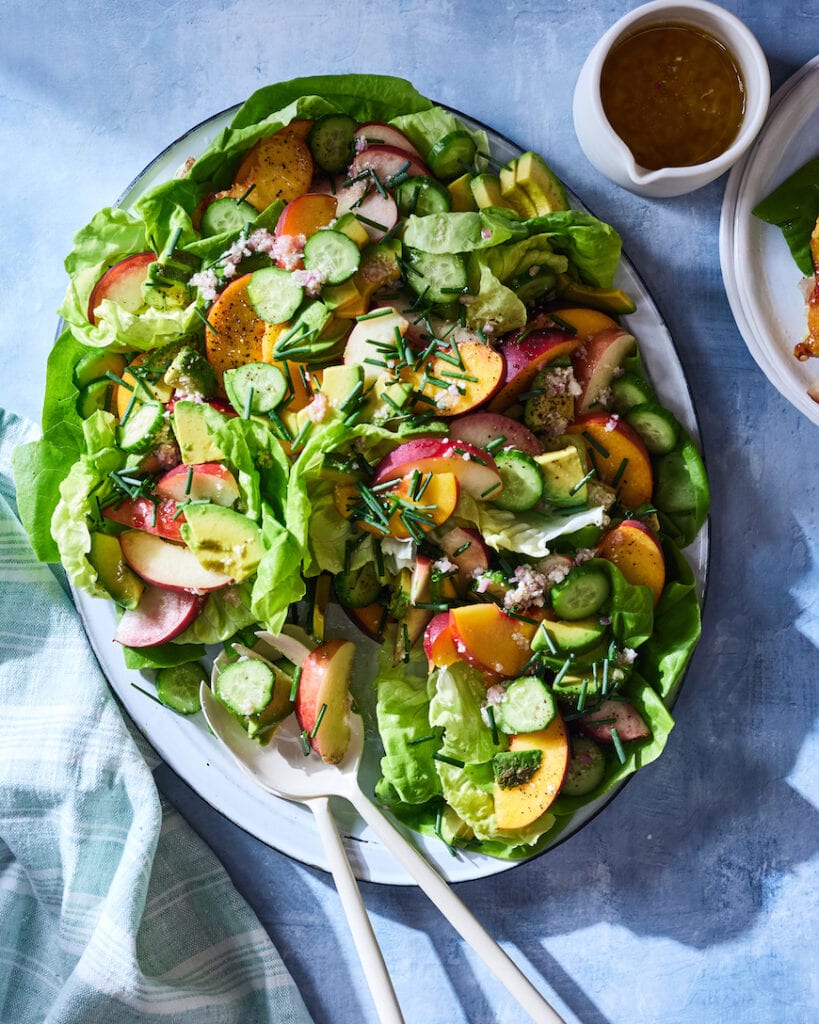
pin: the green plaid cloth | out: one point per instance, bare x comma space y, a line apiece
111, 908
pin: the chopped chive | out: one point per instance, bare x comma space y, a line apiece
382, 622
431, 606
547, 637
379, 562
204, 319
564, 324
580, 483
156, 700
618, 476
618, 745
489, 490
448, 760
495, 444
406, 639
522, 618
294, 686
534, 393
301, 437
422, 739
353, 396
415, 481
596, 445
490, 714
118, 380
371, 223
246, 193
375, 313
284, 433
319, 718
189, 481
461, 549
459, 376
584, 688
128, 410
604, 686
424, 485
304, 736
567, 664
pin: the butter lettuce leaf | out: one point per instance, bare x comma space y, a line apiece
458, 693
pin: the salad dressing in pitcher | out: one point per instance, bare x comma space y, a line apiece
674, 95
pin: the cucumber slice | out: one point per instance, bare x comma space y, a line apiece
439, 277
358, 588
422, 196
139, 432
332, 142
527, 705
274, 294
255, 388
331, 254
522, 481
226, 215
177, 686
656, 426
628, 391
581, 594
452, 155
587, 768
246, 686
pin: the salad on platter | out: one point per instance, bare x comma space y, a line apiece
345, 360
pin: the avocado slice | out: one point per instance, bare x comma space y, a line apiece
534, 177
578, 635
120, 582
607, 300
460, 194
338, 382
563, 470
513, 193
223, 540
486, 191
190, 426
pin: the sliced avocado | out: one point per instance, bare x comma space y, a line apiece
573, 686
95, 396
550, 405
344, 299
96, 364
460, 194
513, 194
563, 636
340, 381
121, 583
223, 540
544, 189
607, 300
563, 471
587, 768
486, 191
348, 224
515, 767
190, 425
388, 400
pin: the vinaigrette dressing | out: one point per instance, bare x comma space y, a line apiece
674, 94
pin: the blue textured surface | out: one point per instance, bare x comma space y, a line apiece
692, 899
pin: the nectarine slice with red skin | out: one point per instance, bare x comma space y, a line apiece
493, 642
378, 133
585, 321
236, 329
634, 548
525, 354
475, 469
451, 391
122, 284
609, 441
518, 806
323, 698
596, 361
165, 564
615, 714
209, 481
439, 643
482, 428
436, 504
162, 518
305, 216
160, 616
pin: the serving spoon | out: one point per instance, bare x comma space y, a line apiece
282, 768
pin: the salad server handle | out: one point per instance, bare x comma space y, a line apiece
369, 952
459, 916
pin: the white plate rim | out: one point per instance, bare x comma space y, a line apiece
742, 238
185, 744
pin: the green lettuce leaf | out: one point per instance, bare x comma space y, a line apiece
592, 246
162, 655
458, 694
402, 709
426, 127
225, 612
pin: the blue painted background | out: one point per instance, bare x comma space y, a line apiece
693, 898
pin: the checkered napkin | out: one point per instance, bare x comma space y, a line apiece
111, 909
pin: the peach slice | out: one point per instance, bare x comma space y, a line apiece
304, 217
586, 322
122, 284
278, 166
323, 698
160, 616
596, 361
210, 481
634, 548
371, 620
475, 469
439, 642
378, 133
168, 565
465, 548
373, 339
492, 641
236, 329
519, 806
525, 353
451, 391
436, 501
618, 454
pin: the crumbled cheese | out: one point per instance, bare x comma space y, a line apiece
495, 694
287, 250
447, 398
528, 589
317, 409
626, 656
310, 280
534, 270
360, 144
482, 581
444, 566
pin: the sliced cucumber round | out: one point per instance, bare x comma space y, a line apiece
587, 768
358, 588
255, 388
227, 215
522, 481
656, 426
583, 593
177, 686
140, 431
439, 277
452, 155
527, 706
331, 254
274, 294
422, 196
246, 686
332, 142
629, 390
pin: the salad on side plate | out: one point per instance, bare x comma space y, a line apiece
347, 360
